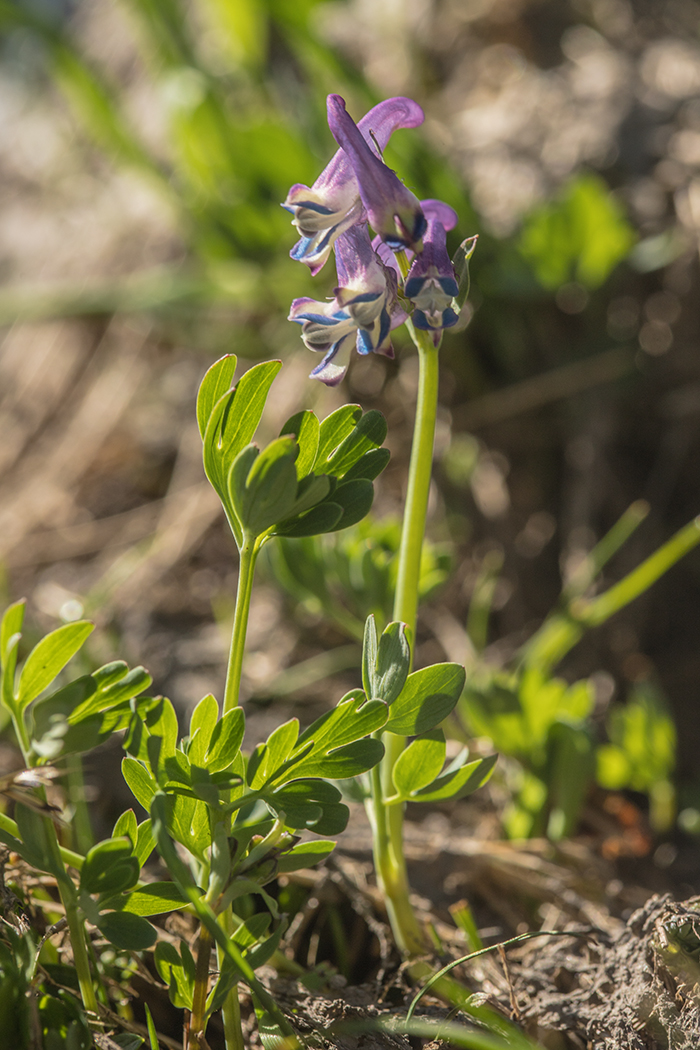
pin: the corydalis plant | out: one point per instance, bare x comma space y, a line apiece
404, 276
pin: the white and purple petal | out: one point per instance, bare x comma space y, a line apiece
393, 211
325, 210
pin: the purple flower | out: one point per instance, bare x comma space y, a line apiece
432, 283
393, 211
325, 210
362, 313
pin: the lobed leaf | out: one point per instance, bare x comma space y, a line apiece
333, 431
127, 931
110, 867
48, 658
142, 784
154, 899
268, 757
306, 429
202, 724
177, 971
226, 740
386, 663
322, 518
217, 382
368, 433
428, 696
458, 780
263, 485
10, 634
419, 764
305, 855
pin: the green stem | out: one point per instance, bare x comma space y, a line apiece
81, 828
389, 856
231, 1010
76, 928
66, 888
246, 570
419, 475
200, 991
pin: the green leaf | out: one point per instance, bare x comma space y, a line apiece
110, 867
145, 842
385, 665
48, 658
305, 855
352, 718
202, 723
370, 647
263, 487
126, 826
355, 498
320, 519
460, 262
252, 930
276, 750
310, 491
226, 740
188, 823
428, 696
306, 429
127, 931
10, 633
152, 1033
369, 433
160, 816
87, 712
333, 431
313, 804
458, 780
338, 745
369, 466
419, 764
232, 424
161, 739
154, 899
177, 971
112, 689
217, 382
142, 784
59, 706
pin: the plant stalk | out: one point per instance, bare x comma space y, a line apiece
246, 569
389, 856
66, 888
231, 1009
76, 927
200, 991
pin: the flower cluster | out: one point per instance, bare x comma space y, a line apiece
355, 191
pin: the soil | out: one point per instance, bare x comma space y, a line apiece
623, 979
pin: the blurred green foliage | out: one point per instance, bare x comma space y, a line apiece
641, 754
581, 235
546, 726
350, 575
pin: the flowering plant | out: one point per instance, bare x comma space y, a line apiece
403, 276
